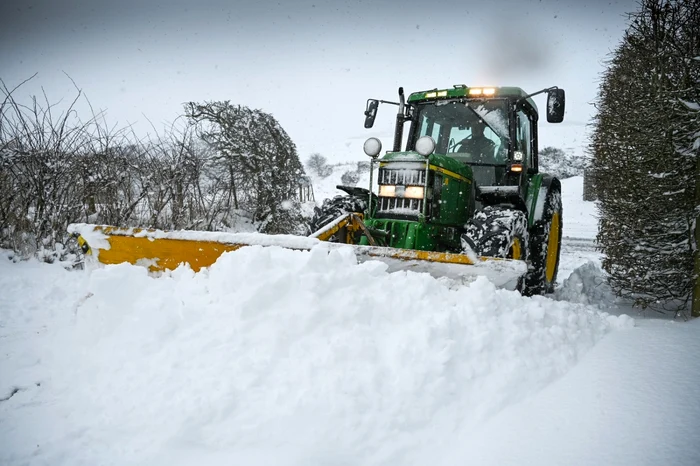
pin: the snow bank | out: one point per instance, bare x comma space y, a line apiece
587, 284
270, 357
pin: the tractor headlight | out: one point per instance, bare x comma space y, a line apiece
406, 192
387, 190
414, 192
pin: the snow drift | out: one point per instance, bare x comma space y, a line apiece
271, 356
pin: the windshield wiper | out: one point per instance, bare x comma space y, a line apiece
466, 104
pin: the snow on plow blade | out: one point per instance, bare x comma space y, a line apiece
165, 250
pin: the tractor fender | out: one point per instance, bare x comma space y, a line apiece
540, 187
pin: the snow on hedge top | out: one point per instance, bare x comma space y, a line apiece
271, 356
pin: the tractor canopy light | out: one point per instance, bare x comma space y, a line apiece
482, 91
434, 94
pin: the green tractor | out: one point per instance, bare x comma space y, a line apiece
466, 185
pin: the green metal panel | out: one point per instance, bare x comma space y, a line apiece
440, 160
408, 234
454, 191
451, 164
451, 206
404, 234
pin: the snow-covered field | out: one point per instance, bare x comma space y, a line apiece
325, 187
281, 357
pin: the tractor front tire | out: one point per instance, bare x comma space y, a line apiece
333, 208
545, 247
498, 231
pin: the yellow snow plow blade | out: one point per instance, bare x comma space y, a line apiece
166, 250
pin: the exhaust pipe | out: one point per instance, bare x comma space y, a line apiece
400, 119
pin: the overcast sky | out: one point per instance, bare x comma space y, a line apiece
312, 64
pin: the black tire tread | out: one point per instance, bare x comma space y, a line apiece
536, 283
491, 231
334, 208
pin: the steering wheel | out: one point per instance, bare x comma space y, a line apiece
457, 145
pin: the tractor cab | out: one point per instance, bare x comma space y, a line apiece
473, 132
492, 130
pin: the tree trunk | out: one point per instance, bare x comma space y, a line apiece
232, 188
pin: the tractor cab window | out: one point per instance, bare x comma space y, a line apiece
524, 135
473, 132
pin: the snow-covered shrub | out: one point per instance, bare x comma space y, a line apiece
255, 156
318, 165
362, 167
350, 178
644, 158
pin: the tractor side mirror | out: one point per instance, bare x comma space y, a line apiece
371, 112
555, 105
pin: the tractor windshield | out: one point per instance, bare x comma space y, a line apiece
473, 132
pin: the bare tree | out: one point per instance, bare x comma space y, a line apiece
318, 164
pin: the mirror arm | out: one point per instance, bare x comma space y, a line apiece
547, 89
386, 102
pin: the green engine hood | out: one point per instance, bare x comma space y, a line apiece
442, 161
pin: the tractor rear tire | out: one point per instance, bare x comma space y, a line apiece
498, 231
545, 247
333, 208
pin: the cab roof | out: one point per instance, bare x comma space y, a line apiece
474, 92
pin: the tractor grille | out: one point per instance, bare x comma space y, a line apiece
405, 176
402, 177
397, 205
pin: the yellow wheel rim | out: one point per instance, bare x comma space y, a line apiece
552, 247
515, 249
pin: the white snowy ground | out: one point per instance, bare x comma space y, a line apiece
291, 358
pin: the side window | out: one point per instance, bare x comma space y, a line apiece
525, 137
428, 127
434, 131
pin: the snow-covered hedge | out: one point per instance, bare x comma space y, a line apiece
230, 169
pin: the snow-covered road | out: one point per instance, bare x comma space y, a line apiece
296, 358
632, 400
